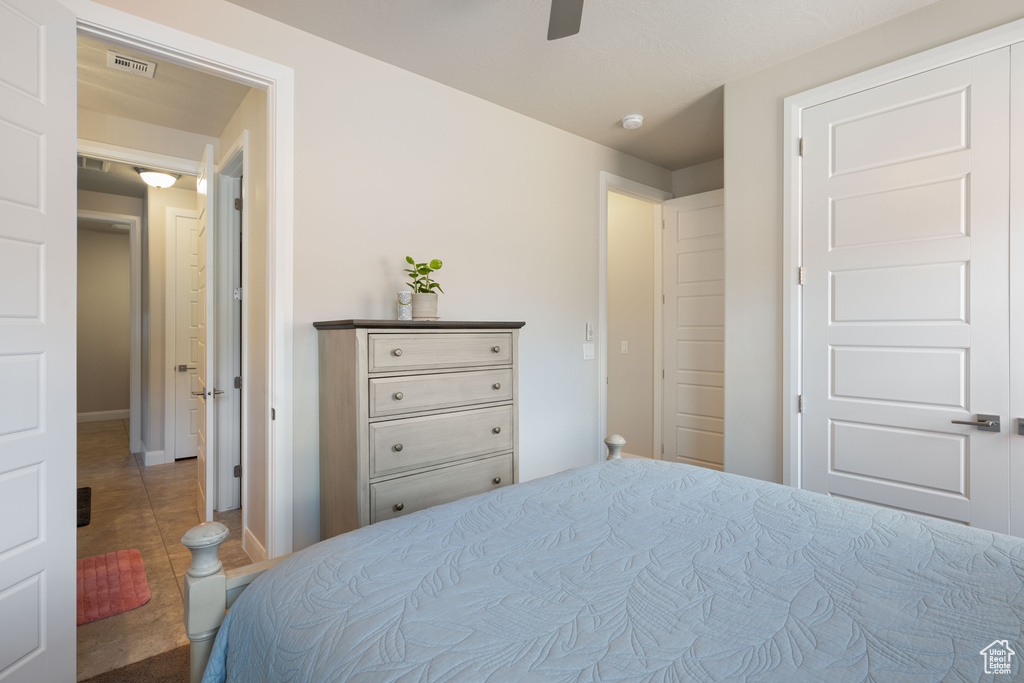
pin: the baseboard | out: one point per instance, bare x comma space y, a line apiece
104, 415
253, 548
155, 458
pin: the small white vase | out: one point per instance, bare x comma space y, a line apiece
424, 306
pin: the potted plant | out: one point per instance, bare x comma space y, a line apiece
424, 298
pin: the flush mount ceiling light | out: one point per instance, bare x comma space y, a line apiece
632, 121
157, 179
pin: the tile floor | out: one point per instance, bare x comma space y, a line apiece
149, 508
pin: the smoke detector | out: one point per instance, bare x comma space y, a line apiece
632, 121
133, 65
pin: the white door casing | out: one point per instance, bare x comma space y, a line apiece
694, 329
38, 270
905, 233
206, 234
184, 281
1013, 420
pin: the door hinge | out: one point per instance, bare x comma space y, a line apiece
662, 223
273, 414
800, 275
238, 383
800, 403
663, 373
238, 203
238, 293
801, 146
663, 449
662, 298
238, 471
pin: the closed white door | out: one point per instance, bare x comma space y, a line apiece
905, 295
37, 341
206, 354
694, 329
185, 280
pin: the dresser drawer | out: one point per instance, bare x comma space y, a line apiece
429, 351
399, 497
399, 395
400, 445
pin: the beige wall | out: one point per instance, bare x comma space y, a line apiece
753, 210
631, 286
109, 203
115, 130
154, 271
700, 178
104, 280
251, 115
388, 163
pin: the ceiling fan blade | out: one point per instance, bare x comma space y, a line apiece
565, 18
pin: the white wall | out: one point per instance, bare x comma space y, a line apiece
251, 115
753, 210
116, 130
388, 163
631, 228
700, 178
104, 280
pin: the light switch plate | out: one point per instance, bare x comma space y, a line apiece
588, 352
625, 347
590, 332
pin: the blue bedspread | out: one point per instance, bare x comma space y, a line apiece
634, 571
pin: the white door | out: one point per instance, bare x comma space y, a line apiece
694, 329
905, 296
37, 341
207, 437
185, 280
1015, 420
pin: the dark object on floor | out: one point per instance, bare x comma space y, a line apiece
84, 505
167, 667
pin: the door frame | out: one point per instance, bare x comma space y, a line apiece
278, 81
134, 318
609, 182
792, 227
232, 424
170, 335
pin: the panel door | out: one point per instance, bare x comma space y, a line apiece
694, 329
905, 210
206, 323
185, 280
37, 341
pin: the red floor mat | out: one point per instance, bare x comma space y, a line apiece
110, 584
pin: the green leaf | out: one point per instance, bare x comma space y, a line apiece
409, 259
438, 287
423, 270
436, 264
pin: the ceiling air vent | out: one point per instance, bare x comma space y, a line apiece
139, 67
93, 164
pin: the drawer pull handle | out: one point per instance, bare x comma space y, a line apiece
496, 349
399, 396
399, 507
497, 385
496, 480
496, 430
398, 448
396, 352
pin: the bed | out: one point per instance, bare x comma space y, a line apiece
629, 570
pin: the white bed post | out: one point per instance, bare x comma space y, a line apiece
205, 593
615, 444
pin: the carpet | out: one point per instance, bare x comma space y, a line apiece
84, 505
110, 584
167, 667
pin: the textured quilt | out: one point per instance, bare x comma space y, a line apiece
635, 570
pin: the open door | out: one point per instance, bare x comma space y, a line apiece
37, 341
206, 450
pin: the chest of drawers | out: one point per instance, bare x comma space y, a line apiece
413, 414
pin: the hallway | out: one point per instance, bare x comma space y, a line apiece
150, 509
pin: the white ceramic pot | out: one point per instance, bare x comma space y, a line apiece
424, 306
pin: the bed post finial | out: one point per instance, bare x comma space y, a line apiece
205, 592
615, 444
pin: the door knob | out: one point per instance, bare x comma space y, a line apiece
1020, 426
984, 423
217, 392
201, 394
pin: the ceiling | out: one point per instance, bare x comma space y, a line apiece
120, 179
176, 96
665, 59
